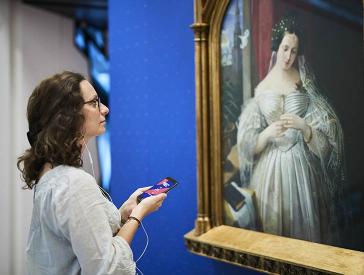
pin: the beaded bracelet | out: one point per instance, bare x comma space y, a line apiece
122, 221
135, 219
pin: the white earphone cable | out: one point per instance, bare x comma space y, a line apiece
147, 242
103, 191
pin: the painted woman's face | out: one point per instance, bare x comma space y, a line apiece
287, 51
93, 110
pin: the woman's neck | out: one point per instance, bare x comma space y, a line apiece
46, 167
281, 81
83, 143
283, 74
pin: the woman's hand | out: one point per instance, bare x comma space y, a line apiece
139, 211
274, 130
296, 122
293, 121
148, 205
131, 203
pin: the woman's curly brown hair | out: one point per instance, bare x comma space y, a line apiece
55, 126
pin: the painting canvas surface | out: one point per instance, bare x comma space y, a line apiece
306, 190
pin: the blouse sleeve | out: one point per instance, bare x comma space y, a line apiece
82, 219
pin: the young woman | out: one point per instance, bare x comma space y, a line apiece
290, 145
75, 228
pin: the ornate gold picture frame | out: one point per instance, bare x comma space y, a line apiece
212, 236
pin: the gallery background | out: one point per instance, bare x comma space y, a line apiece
37, 43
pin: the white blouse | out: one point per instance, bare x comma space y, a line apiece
73, 228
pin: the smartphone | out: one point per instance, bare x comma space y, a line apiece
234, 197
161, 187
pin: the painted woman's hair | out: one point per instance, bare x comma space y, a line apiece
288, 24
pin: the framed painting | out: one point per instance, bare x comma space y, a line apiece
279, 90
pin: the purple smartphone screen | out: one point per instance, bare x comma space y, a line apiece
158, 188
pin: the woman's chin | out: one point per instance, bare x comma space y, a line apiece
101, 131
284, 66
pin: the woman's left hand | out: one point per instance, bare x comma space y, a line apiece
131, 203
293, 121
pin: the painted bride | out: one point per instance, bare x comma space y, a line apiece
290, 146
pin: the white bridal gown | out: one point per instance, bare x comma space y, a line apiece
291, 178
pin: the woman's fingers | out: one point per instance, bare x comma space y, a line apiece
142, 189
139, 191
161, 197
289, 120
280, 125
288, 123
287, 116
156, 198
154, 202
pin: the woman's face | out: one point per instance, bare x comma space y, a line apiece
287, 51
93, 112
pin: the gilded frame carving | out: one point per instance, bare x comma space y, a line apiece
210, 238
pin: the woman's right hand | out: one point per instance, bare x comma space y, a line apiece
148, 205
274, 130
145, 207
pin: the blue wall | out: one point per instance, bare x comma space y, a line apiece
152, 126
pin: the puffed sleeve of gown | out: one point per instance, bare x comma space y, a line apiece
250, 124
328, 145
327, 137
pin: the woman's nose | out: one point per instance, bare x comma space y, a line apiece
104, 109
290, 55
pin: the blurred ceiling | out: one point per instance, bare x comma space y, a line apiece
94, 12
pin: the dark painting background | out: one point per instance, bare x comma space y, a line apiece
334, 49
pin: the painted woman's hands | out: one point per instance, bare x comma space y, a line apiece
274, 130
296, 122
277, 129
293, 121
286, 121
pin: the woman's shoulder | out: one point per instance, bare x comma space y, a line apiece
64, 176
74, 171
263, 86
78, 178
70, 171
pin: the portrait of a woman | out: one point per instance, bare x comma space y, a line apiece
290, 145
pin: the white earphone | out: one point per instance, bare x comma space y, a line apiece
106, 194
